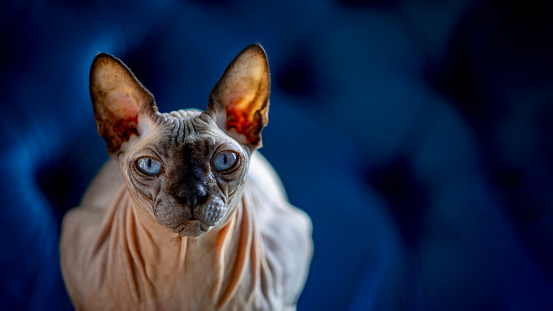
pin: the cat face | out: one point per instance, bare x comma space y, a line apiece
186, 172
185, 168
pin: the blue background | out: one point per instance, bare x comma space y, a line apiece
415, 133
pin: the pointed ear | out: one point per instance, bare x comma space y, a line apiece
119, 100
239, 102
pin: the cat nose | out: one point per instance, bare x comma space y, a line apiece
194, 196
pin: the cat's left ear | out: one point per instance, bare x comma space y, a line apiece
239, 102
120, 102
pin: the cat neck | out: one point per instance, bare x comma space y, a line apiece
155, 239
220, 257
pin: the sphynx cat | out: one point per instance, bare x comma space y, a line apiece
187, 215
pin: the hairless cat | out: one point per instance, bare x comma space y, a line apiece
187, 215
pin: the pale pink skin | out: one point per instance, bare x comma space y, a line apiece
132, 245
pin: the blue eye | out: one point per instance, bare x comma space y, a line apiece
149, 166
224, 160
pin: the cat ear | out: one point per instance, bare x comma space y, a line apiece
239, 102
119, 101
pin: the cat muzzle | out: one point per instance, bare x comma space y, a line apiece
202, 218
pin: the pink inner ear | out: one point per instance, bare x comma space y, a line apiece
126, 127
240, 116
125, 112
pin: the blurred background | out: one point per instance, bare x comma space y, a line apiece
415, 133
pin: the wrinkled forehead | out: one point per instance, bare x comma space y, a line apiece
180, 125
188, 127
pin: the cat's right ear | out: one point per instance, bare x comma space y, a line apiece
239, 102
119, 100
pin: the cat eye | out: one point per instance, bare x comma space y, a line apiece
224, 160
148, 166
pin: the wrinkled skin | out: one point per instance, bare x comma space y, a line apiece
192, 196
196, 232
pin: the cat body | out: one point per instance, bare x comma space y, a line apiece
187, 215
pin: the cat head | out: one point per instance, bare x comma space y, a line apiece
186, 168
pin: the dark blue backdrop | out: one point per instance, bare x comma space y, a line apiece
416, 133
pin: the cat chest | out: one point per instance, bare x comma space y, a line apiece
191, 283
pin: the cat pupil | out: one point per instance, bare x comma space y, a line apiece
224, 160
149, 166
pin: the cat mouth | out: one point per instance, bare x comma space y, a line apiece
192, 228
